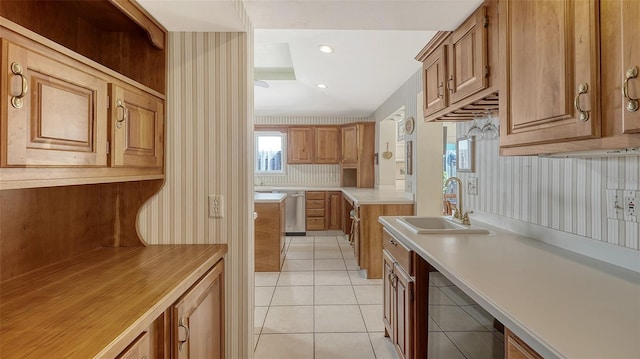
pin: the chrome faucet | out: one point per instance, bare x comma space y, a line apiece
459, 213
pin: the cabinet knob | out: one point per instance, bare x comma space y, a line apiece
16, 101
632, 103
582, 89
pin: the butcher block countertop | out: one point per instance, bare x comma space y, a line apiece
95, 304
564, 305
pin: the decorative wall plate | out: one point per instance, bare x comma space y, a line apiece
409, 124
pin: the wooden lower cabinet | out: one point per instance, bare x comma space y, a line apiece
269, 236
198, 318
333, 210
139, 349
515, 348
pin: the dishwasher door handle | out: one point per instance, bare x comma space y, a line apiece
296, 195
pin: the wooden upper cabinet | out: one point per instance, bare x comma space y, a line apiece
630, 13
300, 145
137, 128
327, 145
198, 318
436, 96
55, 111
468, 69
350, 145
550, 82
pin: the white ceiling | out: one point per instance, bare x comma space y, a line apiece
375, 43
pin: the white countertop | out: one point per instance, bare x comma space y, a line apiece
564, 305
269, 197
359, 196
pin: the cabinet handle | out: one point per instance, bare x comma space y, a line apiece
440, 94
582, 88
125, 113
392, 241
449, 83
394, 281
632, 103
186, 329
16, 101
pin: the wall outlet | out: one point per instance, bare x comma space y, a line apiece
472, 186
629, 206
216, 206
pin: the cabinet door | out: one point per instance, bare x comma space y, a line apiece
137, 128
387, 285
56, 114
300, 145
434, 72
139, 349
327, 145
515, 348
631, 60
403, 312
467, 70
333, 208
198, 318
350, 146
550, 63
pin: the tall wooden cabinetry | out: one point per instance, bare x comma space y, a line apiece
458, 68
550, 87
198, 318
549, 111
356, 164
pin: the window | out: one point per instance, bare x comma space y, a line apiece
270, 152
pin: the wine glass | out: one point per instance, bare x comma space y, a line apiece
490, 130
475, 130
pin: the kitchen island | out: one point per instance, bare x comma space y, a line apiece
558, 302
269, 231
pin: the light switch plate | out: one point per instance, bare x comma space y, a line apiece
472, 186
614, 204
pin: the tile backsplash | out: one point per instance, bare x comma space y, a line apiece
567, 195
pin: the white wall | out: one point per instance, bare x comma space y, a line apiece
387, 167
209, 140
567, 195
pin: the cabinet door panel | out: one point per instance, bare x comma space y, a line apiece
631, 58
300, 145
350, 145
327, 145
387, 272
137, 128
550, 49
334, 210
403, 312
198, 318
436, 96
62, 121
468, 57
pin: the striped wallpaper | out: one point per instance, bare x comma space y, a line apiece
326, 175
209, 138
567, 195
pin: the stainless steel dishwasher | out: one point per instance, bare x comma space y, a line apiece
295, 219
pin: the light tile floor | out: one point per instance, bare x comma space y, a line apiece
322, 306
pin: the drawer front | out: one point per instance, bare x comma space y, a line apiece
315, 212
315, 203
315, 195
315, 224
401, 253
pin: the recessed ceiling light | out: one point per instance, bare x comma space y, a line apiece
322, 86
326, 49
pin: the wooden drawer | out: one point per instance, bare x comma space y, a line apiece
315, 203
400, 253
315, 212
315, 224
315, 195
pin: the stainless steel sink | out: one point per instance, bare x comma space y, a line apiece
438, 225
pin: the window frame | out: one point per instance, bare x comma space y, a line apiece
283, 138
